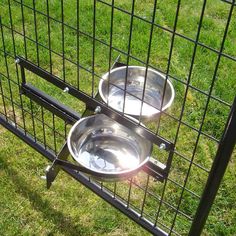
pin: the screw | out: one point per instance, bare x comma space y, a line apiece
17, 61
162, 146
97, 110
66, 90
47, 168
12, 123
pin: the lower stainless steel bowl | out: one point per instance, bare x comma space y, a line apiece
128, 93
107, 148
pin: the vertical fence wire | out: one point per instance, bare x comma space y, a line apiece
128, 54
1, 76
218, 169
36, 33
7, 74
49, 37
208, 98
183, 105
94, 46
110, 50
17, 71
151, 200
167, 73
43, 125
78, 41
63, 41
148, 57
169, 61
23, 26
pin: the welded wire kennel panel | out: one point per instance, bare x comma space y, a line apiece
52, 57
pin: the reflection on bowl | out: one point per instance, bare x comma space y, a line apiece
126, 94
104, 146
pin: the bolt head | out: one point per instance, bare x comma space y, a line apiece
48, 168
17, 61
162, 146
97, 110
66, 90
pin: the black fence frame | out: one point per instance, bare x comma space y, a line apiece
153, 169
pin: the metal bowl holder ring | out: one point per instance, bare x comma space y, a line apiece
141, 137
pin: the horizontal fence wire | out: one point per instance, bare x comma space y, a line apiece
114, 48
80, 47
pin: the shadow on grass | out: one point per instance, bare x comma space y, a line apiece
64, 223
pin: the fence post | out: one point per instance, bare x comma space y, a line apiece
219, 166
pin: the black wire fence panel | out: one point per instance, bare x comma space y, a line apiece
190, 42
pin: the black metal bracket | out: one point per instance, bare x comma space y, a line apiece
53, 170
154, 168
50, 103
92, 102
93, 186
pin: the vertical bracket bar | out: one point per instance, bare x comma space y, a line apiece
218, 169
53, 170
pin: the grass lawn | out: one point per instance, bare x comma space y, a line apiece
68, 208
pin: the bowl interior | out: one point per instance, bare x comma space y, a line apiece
104, 146
129, 98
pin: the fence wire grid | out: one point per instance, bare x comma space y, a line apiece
192, 43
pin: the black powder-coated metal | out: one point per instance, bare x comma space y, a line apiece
218, 169
49, 103
154, 168
93, 103
93, 186
19, 99
53, 170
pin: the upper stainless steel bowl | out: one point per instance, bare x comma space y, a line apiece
132, 103
108, 148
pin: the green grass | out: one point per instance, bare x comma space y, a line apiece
68, 208
27, 208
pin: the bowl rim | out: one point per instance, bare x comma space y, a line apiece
102, 173
104, 78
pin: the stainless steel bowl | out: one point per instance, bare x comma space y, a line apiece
107, 148
131, 96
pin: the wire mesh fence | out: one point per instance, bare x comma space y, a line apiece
71, 44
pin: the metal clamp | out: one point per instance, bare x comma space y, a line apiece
53, 170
